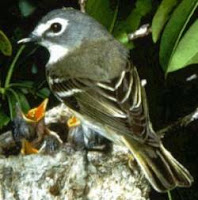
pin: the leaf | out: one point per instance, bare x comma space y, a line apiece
100, 10
12, 100
187, 51
124, 39
23, 102
34, 69
5, 45
142, 7
4, 119
174, 29
43, 93
22, 84
132, 22
26, 7
161, 17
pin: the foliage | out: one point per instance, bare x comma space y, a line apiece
26, 7
13, 92
161, 17
108, 16
5, 45
178, 46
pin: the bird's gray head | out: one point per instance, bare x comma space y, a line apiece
63, 30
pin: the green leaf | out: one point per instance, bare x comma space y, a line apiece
187, 51
22, 84
26, 7
12, 100
132, 22
161, 17
34, 69
2, 91
124, 39
174, 29
4, 119
23, 102
100, 10
43, 93
142, 8
5, 45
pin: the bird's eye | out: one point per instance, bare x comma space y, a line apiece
56, 27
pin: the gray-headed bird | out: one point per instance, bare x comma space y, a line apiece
90, 72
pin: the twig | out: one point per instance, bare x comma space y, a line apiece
10, 72
143, 31
82, 5
180, 123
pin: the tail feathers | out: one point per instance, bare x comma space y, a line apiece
182, 176
160, 168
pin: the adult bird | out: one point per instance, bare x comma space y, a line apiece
90, 72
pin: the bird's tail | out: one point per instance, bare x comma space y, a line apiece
162, 170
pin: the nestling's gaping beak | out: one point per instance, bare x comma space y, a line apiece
31, 38
36, 114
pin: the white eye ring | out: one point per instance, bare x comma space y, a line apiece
44, 27
59, 24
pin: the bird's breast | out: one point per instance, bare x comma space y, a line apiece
96, 60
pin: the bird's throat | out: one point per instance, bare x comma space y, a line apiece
57, 53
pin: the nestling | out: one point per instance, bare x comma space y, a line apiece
90, 72
30, 131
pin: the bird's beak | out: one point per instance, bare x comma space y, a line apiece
36, 114
31, 38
